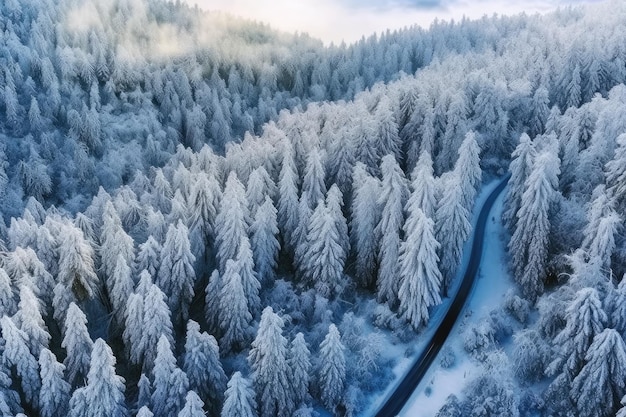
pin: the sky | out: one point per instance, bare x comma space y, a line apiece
349, 20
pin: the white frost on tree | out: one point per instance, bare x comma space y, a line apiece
332, 372
54, 396
521, 165
264, 241
239, 398
78, 345
169, 381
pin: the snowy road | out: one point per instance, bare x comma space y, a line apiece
400, 396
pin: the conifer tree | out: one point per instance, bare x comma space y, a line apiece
157, 323
260, 185
54, 396
212, 302
299, 369
264, 241
29, 319
170, 382
148, 257
239, 398
618, 304
193, 406
8, 305
17, 355
120, 286
601, 382
419, 274
529, 244
234, 314
145, 392
77, 344
249, 280
176, 276
520, 167
288, 197
268, 360
313, 182
423, 191
468, 170
103, 396
392, 198
231, 223
202, 366
332, 373
204, 204
616, 172
114, 241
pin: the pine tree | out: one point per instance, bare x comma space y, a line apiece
529, 244
157, 323
17, 355
419, 274
392, 198
144, 412
332, 373
193, 406
365, 217
618, 304
76, 267
249, 280
239, 398
29, 319
313, 182
131, 334
77, 344
601, 383
602, 245
260, 185
149, 257
212, 302
120, 286
616, 172
288, 197
103, 396
300, 234
114, 241
9, 399
145, 392
54, 396
202, 366
264, 241
467, 168
423, 193
8, 305
334, 203
234, 314
299, 369
452, 229
268, 360
204, 204
170, 382
231, 223
324, 256
176, 275
584, 320
521, 166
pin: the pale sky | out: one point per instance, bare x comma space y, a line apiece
337, 20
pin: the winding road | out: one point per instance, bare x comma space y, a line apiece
403, 392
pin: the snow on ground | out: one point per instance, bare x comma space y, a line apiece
485, 293
492, 283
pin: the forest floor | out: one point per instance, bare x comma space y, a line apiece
493, 282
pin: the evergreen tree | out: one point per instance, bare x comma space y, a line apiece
334, 203
602, 245
9, 399
249, 281
332, 373
601, 382
467, 168
313, 182
212, 302
8, 305
616, 172
17, 355
231, 223
28, 319
176, 275
423, 192
260, 185
288, 197
300, 234
365, 217
204, 204
54, 396
170, 382
103, 396
157, 323
452, 230
145, 392
392, 199
264, 241
114, 241
149, 257
202, 366
529, 244
419, 274
299, 369
239, 398
521, 166
120, 286
268, 360
77, 344
234, 314
618, 304
324, 256
144, 412
193, 406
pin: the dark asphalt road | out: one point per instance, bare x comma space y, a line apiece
398, 399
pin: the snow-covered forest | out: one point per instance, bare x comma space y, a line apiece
204, 216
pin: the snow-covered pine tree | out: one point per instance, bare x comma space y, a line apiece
239, 398
201, 363
616, 172
103, 396
313, 182
193, 406
144, 393
420, 278
334, 204
271, 372
324, 256
249, 280
234, 315
8, 306
29, 319
114, 241
332, 372
120, 286
423, 190
365, 216
520, 167
204, 203
17, 355
468, 170
600, 385
617, 302
529, 244
54, 396
231, 223
148, 257
176, 276
452, 228
392, 198
300, 234
288, 197
264, 241
77, 344
299, 369
169, 381
212, 302
156, 323
260, 185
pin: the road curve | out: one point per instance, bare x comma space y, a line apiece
403, 392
